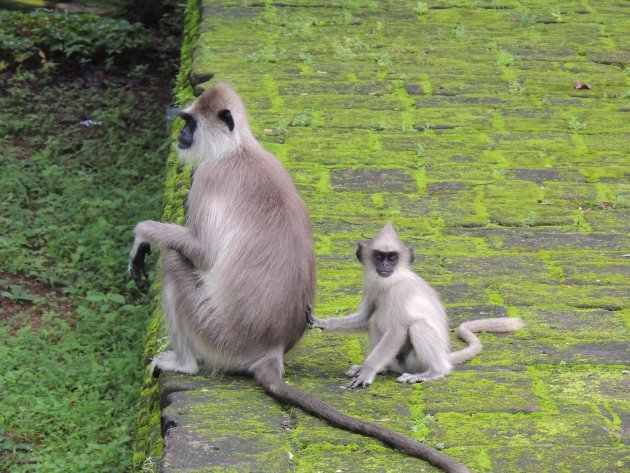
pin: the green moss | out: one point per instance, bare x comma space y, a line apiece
374, 459
148, 441
552, 266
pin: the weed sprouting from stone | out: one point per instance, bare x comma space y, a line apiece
498, 174
516, 87
528, 18
358, 44
303, 119
462, 34
504, 58
306, 58
529, 220
557, 15
421, 152
282, 129
342, 51
350, 19
575, 125
421, 8
384, 62
267, 54
547, 159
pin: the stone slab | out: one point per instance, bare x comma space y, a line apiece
460, 124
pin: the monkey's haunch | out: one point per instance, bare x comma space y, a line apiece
274, 385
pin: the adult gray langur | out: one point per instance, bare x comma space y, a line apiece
239, 277
405, 320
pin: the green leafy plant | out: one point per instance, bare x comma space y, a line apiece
306, 58
528, 18
16, 292
504, 58
576, 125
421, 8
421, 152
516, 87
384, 62
557, 15
303, 119
44, 38
282, 129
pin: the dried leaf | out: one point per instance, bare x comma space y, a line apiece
582, 85
544, 202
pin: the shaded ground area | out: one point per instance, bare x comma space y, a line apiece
71, 328
82, 151
460, 123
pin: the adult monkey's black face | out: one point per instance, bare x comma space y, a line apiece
385, 262
187, 134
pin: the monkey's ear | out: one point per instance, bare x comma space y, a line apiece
226, 117
411, 255
197, 80
360, 249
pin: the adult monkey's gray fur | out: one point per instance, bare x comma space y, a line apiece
239, 277
405, 319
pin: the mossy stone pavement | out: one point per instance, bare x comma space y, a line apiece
460, 122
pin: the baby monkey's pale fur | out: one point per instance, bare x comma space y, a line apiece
406, 322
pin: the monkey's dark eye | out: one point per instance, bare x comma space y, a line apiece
379, 256
226, 117
392, 257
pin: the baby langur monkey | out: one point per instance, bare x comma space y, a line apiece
405, 319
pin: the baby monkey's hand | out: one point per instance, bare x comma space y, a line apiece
314, 322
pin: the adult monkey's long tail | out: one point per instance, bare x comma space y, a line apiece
268, 373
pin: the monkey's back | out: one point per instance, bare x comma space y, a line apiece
258, 278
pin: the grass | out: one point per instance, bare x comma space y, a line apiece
71, 324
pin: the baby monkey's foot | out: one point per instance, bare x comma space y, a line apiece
362, 380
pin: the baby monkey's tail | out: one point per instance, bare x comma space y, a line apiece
466, 332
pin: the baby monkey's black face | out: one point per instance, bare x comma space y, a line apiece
384, 262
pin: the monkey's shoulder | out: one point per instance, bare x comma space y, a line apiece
412, 299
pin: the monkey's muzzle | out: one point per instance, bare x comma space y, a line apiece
186, 135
